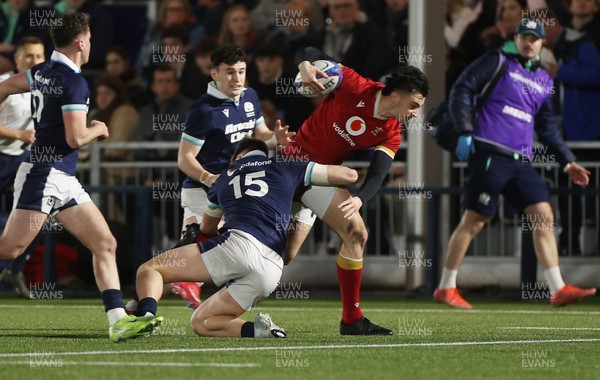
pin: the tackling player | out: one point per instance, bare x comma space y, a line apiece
359, 114
46, 184
255, 196
214, 125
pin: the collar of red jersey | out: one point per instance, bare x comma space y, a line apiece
375, 114
60, 57
214, 91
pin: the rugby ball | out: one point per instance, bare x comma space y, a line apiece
331, 82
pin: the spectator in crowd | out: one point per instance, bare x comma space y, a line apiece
236, 28
458, 18
175, 54
393, 19
118, 65
268, 77
101, 27
16, 22
164, 118
112, 108
268, 15
510, 13
578, 73
350, 41
170, 12
294, 30
196, 73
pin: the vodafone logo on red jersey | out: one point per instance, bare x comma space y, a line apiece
355, 126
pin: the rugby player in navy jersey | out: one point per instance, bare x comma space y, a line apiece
214, 125
254, 194
46, 184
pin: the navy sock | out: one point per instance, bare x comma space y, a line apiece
147, 305
113, 299
248, 330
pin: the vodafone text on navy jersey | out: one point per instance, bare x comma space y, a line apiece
345, 122
216, 124
255, 195
56, 87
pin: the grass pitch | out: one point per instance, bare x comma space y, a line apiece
68, 339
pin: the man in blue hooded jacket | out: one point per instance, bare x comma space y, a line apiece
498, 143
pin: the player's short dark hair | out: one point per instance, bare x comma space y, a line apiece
28, 40
67, 28
229, 55
250, 144
406, 79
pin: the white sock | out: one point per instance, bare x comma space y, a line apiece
554, 278
448, 280
148, 314
115, 314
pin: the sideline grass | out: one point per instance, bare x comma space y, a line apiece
67, 339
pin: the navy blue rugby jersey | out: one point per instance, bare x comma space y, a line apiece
217, 123
255, 195
56, 87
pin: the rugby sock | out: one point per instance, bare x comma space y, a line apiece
113, 305
349, 273
554, 278
248, 330
146, 306
448, 280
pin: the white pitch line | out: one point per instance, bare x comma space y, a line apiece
550, 328
59, 363
294, 309
325, 347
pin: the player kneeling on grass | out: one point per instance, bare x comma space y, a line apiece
254, 195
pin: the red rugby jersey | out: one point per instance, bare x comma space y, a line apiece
345, 122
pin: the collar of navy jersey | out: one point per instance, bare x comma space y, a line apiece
214, 91
254, 153
61, 58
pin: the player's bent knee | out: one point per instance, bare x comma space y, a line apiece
11, 253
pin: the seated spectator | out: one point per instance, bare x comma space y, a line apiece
268, 15
15, 23
122, 119
170, 13
509, 15
164, 118
101, 27
236, 28
349, 41
295, 32
196, 73
578, 51
118, 65
267, 76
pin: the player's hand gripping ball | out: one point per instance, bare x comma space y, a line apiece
331, 82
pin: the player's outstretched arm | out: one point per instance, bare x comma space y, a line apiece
17, 84
338, 175
77, 133
280, 136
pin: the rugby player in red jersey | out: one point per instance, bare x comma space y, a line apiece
359, 114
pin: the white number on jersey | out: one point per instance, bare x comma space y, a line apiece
38, 104
250, 179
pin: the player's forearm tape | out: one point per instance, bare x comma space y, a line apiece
213, 212
205, 178
319, 175
274, 140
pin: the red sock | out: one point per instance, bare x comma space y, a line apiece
349, 273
